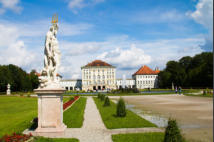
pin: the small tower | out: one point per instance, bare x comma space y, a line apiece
157, 69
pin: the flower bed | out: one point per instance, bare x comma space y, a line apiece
68, 103
15, 138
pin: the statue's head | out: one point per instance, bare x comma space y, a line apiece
51, 28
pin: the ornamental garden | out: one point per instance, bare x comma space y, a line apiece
101, 117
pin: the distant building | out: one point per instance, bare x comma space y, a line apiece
146, 78
129, 83
71, 84
98, 75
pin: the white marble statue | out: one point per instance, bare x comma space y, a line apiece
48, 76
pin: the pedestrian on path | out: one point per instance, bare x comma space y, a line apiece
179, 89
176, 89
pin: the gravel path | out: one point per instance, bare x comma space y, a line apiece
93, 129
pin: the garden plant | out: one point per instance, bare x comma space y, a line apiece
172, 132
106, 102
121, 108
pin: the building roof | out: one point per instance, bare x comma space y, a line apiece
97, 63
145, 70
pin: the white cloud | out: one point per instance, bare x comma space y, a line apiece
126, 54
204, 13
75, 5
76, 49
67, 29
11, 5
204, 16
13, 50
158, 16
126, 58
39, 28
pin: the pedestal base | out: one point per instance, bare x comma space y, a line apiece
50, 110
51, 130
8, 92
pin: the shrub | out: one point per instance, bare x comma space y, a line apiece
21, 94
125, 90
34, 124
204, 92
99, 96
71, 98
107, 102
172, 132
102, 97
121, 108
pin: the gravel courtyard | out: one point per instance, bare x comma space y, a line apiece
194, 114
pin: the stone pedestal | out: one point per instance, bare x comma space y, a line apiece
8, 92
50, 110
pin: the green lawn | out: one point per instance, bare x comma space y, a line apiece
111, 121
65, 99
74, 116
16, 113
42, 139
139, 137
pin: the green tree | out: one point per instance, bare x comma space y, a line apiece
194, 71
121, 108
172, 132
18, 79
106, 102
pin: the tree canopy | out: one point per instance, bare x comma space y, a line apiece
196, 72
17, 78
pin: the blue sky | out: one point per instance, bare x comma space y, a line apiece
127, 34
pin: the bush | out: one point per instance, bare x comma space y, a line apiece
107, 102
102, 97
172, 132
71, 98
125, 90
121, 108
99, 96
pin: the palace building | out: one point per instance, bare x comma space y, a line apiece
146, 78
98, 75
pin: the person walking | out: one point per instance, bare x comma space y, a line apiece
179, 89
176, 89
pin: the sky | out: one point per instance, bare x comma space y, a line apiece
125, 33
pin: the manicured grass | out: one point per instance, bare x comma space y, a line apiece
74, 116
65, 99
139, 137
42, 139
16, 113
111, 121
